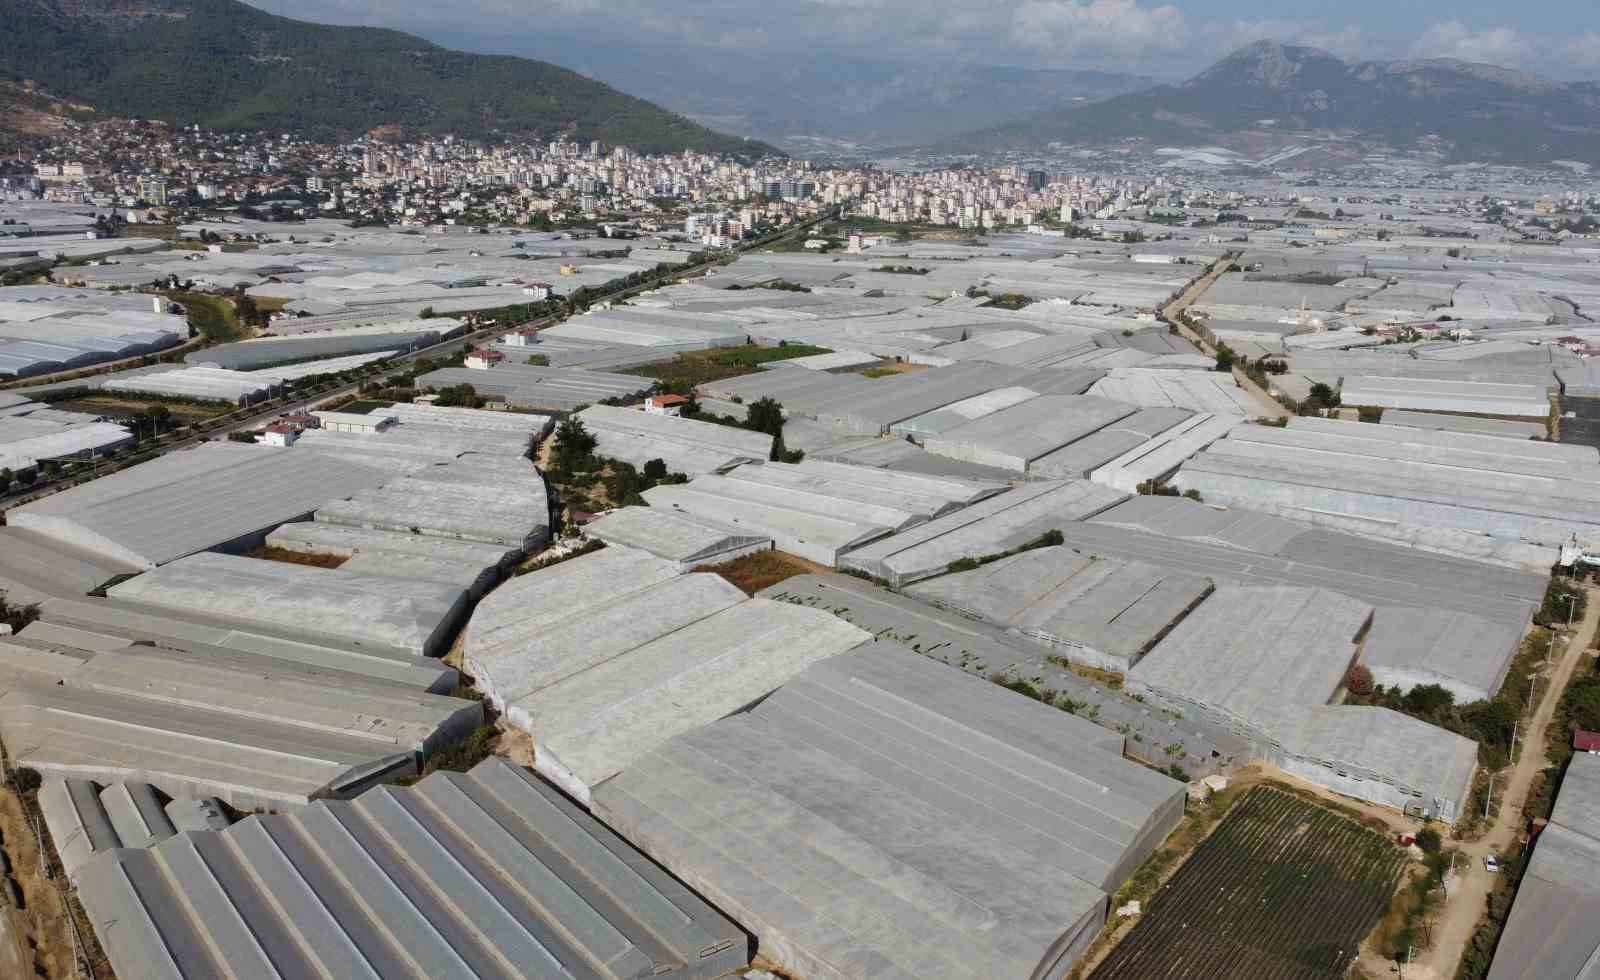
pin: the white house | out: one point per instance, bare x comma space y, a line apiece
483, 360
665, 404
279, 434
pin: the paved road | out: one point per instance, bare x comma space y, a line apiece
267, 413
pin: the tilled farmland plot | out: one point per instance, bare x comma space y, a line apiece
1282, 890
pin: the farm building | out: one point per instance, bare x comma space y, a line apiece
988, 652
206, 383
248, 729
468, 875
1524, 498
1270, 663
269, 352
990, 527
215, 495
818, 509
1099, 612
921, 497
31, 433
61, 329
685, 445
1256, 658
596, 674
1550, 934
967, 410
502, 503
85, 819
1078, 459
331, 365
872, 410
409, 616
1441, 422
674, 537
106, 624
340, 541
1158, 458
1433, 395
989, 856
530, 386
1465, 654
649, 328
1197, 391
1246, 547
816, 528
1012, 438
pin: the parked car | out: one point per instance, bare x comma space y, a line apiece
1491, 864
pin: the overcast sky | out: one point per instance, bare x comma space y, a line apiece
1171, 39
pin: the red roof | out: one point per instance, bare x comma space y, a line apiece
669, 400
1583, 741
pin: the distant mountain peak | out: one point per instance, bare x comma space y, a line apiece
1263, 94
1271, 64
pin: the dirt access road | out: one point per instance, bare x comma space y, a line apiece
1469, 888
1270, 409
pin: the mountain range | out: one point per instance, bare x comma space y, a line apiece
225, 65
814, 101
1261, 94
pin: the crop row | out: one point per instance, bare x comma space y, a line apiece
1282, 890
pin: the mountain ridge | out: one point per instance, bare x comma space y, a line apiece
814, 100
229, 66
1456, 109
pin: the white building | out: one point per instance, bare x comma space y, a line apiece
665, 404
483, 360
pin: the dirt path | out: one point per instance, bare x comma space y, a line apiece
1269, 406
1469, 888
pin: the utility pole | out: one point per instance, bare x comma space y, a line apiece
1488, 797
1572, 604
1514, 725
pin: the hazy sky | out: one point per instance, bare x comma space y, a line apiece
1168, 38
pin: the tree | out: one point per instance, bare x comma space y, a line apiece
158, 415
459, 396
655, 470
573, 443
6, 479
248, 312
1225, 358
1491, 722
427, 313
1556, 608
1358, 681
1581, 704
538, 360
765, 415
1428, 699
1428, 839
